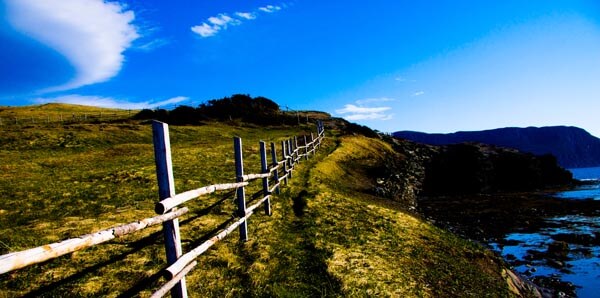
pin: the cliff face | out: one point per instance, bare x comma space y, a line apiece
476, 168
470, 168
572, 146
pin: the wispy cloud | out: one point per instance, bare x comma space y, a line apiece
153, 44
372, 100
91, 34
403, 79
418, 93
109, 102
205, 30
270, 8
214, 24
352, 109
246, 15
353, 112
223, 20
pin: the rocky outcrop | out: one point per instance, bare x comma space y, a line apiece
573, 147
468, 169
401, 179
476, 168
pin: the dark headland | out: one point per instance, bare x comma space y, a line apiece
572, 146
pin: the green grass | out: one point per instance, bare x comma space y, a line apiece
57, 113
327, 237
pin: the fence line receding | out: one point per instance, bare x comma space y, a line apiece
273, 172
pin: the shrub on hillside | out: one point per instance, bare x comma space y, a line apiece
258, 110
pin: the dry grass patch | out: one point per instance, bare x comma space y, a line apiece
379, 250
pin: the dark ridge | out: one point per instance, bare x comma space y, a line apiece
572, 146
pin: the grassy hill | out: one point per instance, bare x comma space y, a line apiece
328, 236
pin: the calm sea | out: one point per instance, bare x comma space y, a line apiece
591, 191
586, 173
583, 268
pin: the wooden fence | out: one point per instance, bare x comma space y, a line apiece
274, 171
64, 118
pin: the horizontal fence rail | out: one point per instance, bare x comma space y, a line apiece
179, 264
18, 260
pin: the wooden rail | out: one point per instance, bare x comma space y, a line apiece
178, 263
18, 260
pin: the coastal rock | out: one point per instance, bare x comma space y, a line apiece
476, 168
558, 250
582, 239
518, 286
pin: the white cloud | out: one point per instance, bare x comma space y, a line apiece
222, 20
352, 109
372, 100
369, 116
270, 8
214, 24
356, 112
91, 34
206, 30
246, 15
109, 102
418, 93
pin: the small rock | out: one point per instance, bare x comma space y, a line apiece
555, 263
559, 249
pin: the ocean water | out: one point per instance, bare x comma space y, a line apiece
583, 268
591, 191
586, 173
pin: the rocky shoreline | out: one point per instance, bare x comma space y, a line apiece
485, 193
489, 218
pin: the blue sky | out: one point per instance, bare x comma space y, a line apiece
434, 66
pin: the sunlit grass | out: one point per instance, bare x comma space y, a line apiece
57, 112
327, 237
65, 181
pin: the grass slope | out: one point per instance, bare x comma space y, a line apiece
375, 249
327, 237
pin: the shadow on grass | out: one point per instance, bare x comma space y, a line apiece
138, 245
152, 239
299, 203
303, 272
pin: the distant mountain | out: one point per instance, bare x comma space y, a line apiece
572, 146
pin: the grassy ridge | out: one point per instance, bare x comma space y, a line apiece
328, 235
377, 249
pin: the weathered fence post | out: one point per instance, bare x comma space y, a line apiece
265, 181
241, 193
285, 161
312, 144
166, 189
305, 148
296, 146
275, 164
291, 155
